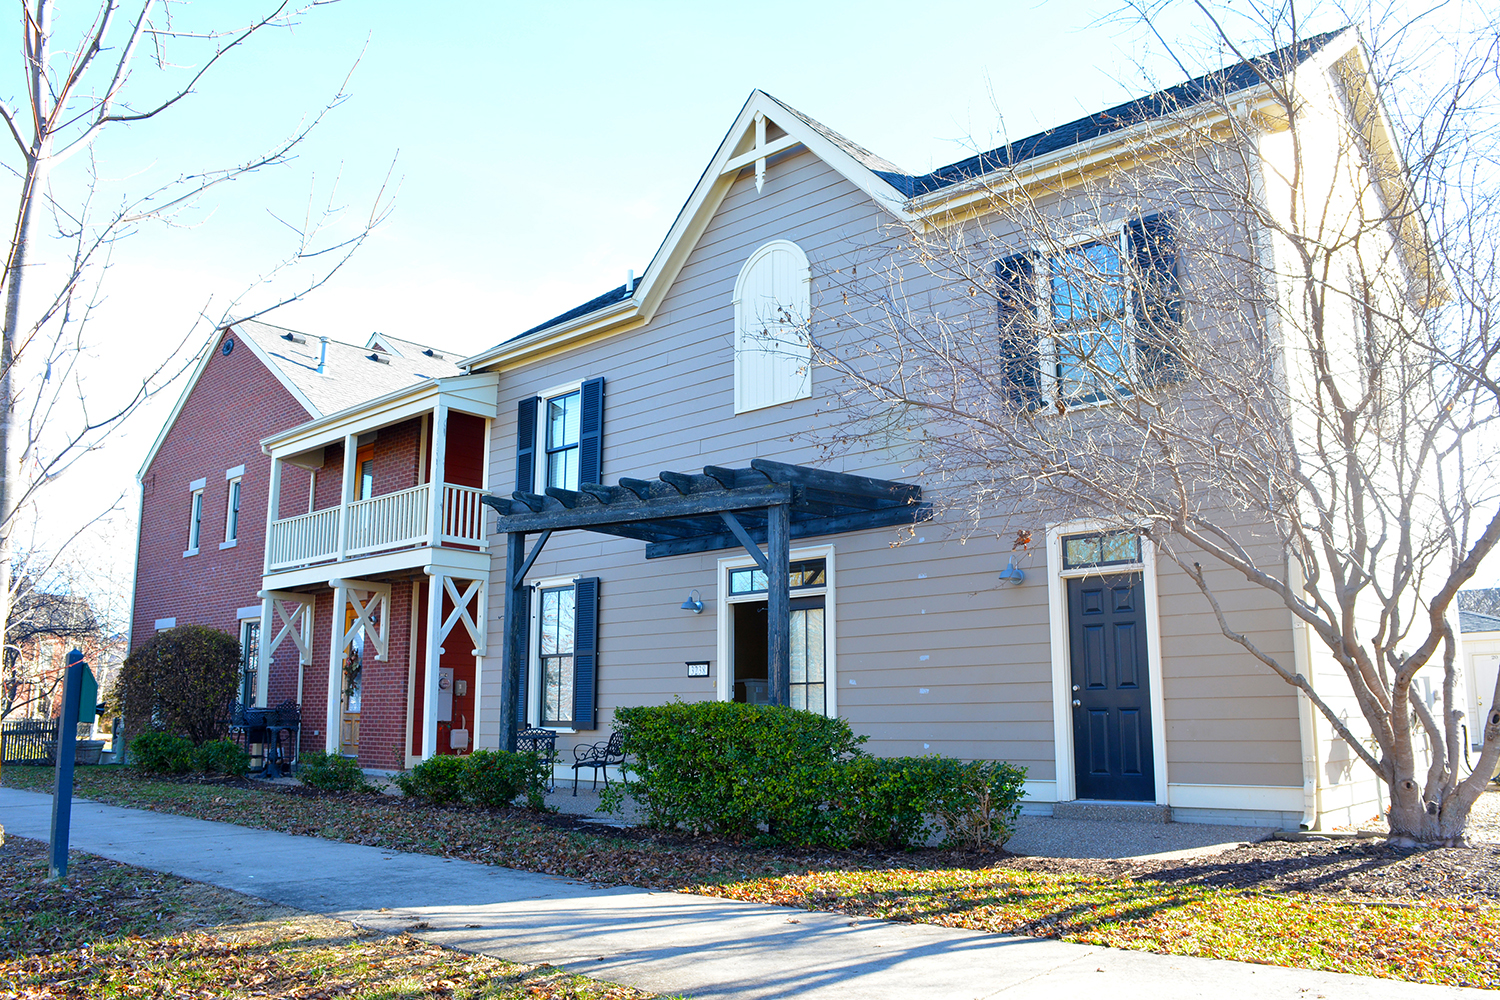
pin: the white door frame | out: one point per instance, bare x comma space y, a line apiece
723, 681
1062, 661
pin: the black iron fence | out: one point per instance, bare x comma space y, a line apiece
28, 741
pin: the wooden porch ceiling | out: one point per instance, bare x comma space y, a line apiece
677, 513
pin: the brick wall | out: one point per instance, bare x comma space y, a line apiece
234, 404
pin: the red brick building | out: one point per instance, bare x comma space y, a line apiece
206, 493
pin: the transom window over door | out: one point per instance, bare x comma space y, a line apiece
772, 308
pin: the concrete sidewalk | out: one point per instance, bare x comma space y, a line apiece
666, 942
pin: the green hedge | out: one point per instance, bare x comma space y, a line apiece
781, 776
157, 752
330, 772
222, 757
491, 778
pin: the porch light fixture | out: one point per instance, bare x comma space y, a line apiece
1012, 573
694, 603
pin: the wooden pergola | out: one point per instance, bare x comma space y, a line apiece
769, 504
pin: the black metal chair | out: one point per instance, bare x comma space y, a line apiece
539, 741
599, 756
284, 719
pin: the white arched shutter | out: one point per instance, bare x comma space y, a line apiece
772, 303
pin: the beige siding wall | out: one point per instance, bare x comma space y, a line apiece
934, 653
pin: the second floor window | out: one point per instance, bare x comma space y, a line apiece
232, 515
563, 436
195, 521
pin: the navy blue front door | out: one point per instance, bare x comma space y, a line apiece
1110, 694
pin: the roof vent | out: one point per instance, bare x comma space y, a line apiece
433, 354
630, 282
322, 354
294, 338
378, 359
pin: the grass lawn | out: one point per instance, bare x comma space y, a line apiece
113, 930
1425, 940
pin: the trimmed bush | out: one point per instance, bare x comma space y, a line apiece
781, 776
330, 772
182, 680
156, 752
437, 780
222, 757
493, 778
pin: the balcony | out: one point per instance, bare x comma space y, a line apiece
386, 523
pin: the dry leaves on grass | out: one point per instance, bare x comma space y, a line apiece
113, 930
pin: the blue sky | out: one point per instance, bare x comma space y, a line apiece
541, 150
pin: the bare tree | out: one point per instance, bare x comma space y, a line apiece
1278, 359
115, 67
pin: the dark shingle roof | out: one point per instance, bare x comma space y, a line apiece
1470, 622
1164, 102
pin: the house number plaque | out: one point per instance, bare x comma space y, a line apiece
698, 669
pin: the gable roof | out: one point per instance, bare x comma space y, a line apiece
893, 187
349, 375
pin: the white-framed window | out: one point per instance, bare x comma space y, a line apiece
561, 435
195, 515
743, 672
1095, 552
772, 309
250, 661
232, 511
561, 683
1093, 321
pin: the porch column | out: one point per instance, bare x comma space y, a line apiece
434, 654
484, 481
336, 666
273, 513
481, 646
351, 470
779, 602
513, 652
439, 453
268, 632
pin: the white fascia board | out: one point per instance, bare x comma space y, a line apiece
689, 226
402, 404
281, 376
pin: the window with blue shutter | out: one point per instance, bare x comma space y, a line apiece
1016, 297
1152, 247
585, 652
526, 444
591, 432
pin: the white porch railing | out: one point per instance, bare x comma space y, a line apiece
306, 538
463, 516
393, 521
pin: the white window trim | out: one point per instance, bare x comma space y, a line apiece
724, 683
1062, 661
1046, 344
534, 657
196, 490
162, 624
539, 445
805, 389
235, 473
231, 516
262, 677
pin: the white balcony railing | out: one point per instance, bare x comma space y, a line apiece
393, 521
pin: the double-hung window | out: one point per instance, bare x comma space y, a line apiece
562, 445
195, 515
560, 437
1092, 322
235, 478
565, 617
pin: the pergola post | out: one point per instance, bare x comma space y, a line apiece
513, 652
779, 602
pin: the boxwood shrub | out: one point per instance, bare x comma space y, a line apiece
330, 772
157, 752
781, 776
490, 778
436, 779
222, 757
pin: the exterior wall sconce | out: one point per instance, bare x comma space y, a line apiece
694, 603
1011, 573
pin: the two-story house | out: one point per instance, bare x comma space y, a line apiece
675, 529
206, 482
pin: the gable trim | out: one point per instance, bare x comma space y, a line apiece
204, 356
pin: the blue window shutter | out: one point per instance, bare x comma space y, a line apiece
591, 431
525, 612
1152, 242
585, 650
526, 412
1016, 296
